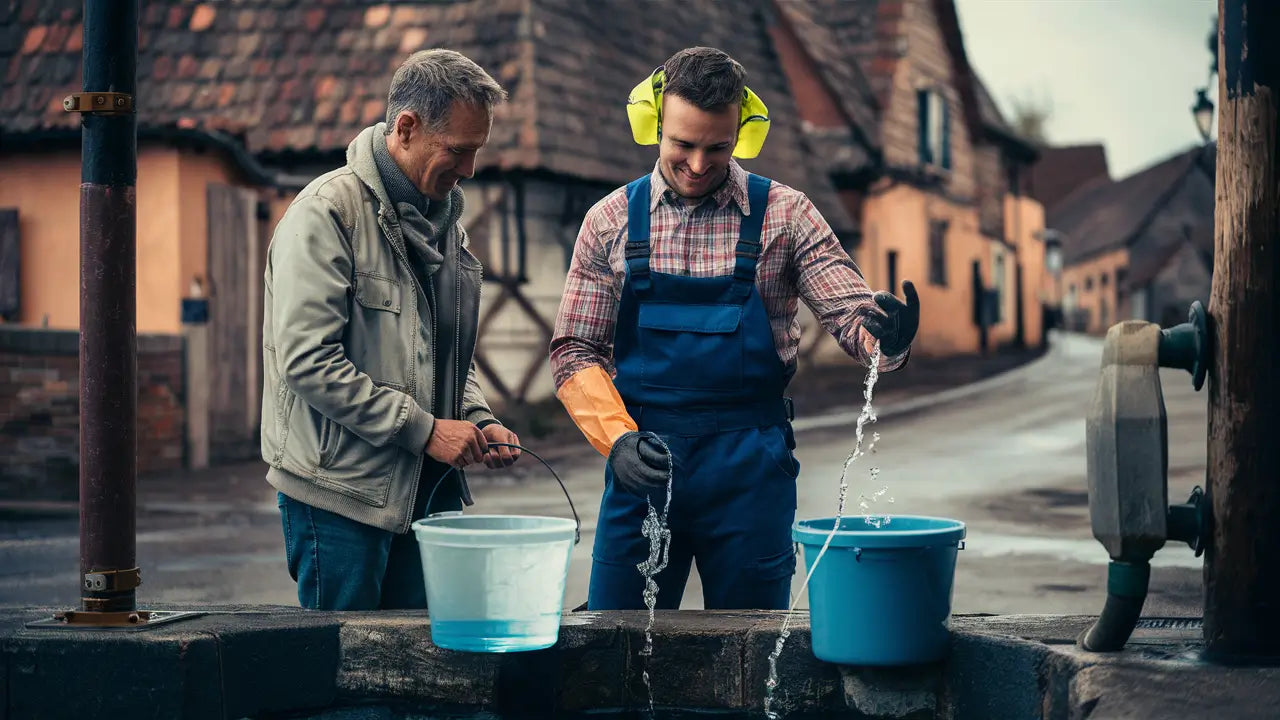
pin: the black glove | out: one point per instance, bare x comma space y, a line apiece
896, 327
640, 464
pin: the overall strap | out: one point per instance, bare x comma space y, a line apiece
637, 247
747, 251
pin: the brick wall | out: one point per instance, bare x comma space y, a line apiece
40, 413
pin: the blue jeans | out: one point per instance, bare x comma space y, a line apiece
341, 564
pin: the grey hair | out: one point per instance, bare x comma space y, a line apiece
428, 82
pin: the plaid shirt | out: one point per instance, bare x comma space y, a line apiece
801, 258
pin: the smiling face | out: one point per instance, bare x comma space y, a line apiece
436, 161
696, 146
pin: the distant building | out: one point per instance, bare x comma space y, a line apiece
1140, 247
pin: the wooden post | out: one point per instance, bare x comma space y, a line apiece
1242, 585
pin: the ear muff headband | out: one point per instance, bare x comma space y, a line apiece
644, 111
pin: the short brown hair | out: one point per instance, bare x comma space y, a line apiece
706, 77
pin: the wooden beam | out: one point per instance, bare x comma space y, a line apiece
1242, 588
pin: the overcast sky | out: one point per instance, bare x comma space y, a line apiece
1120, 72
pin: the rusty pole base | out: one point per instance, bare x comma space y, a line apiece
130, 620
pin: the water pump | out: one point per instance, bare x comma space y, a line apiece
1128, 464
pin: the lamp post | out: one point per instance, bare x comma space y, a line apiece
1202, 111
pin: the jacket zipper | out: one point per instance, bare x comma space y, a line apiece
417, 472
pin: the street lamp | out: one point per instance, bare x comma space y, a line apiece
1203, 113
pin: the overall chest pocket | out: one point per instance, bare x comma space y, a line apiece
691, 347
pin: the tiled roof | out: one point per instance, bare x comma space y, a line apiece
836, 60
582, 127
866, 29
1104, 215
286, 75
1061, 170
292, 76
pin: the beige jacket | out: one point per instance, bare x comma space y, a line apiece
349, 385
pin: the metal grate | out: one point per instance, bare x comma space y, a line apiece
1170, 624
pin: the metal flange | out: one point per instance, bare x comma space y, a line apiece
99, 103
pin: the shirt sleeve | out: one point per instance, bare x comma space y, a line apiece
832, 286
588, 310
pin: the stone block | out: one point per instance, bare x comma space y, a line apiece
592, 664
111, 674
389, 657
277, 663
805, 683
906, 693
994, 678
696, 660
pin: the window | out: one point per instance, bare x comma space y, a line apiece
10, 265
1102, 280
893, 271
934, 128
1088, 283
1000, 284
938, 252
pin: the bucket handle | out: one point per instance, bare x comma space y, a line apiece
577, 523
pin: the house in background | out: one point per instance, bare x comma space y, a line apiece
1058, 173
877, 117
1140, 247
940, 195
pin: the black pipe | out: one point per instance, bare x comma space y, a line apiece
1126, 592
108, 336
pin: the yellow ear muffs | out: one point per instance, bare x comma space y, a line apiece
644, 112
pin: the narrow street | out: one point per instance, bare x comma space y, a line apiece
1008, 461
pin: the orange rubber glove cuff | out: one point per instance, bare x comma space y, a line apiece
596, 407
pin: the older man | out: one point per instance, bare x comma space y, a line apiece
371, 303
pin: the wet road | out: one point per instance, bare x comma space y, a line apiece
1009, 462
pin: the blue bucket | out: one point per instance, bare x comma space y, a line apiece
881, 596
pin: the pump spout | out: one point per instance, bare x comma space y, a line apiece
1128, 462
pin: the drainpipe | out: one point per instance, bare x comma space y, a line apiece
109, 575
108, 340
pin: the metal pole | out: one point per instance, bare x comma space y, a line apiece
1242, 587
108, 340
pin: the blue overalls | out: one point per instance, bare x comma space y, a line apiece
697, 365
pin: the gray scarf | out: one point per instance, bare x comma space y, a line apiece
422, 222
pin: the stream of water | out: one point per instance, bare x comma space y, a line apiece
655, 529
867, 415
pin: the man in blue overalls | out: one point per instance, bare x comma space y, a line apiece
678, 332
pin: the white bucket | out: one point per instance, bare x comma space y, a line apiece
495, 583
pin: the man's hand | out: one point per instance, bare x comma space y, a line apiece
500, 457
457, 443
640, 463
896, 326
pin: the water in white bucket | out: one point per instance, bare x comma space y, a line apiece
495, 583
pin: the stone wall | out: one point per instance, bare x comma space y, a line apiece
40, 410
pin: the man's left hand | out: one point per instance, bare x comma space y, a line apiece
896, 326
500, 457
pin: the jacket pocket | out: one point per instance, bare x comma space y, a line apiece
378, 293
383, 319
327, 431
355, 468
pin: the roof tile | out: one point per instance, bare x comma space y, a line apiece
203, 17
34, 40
